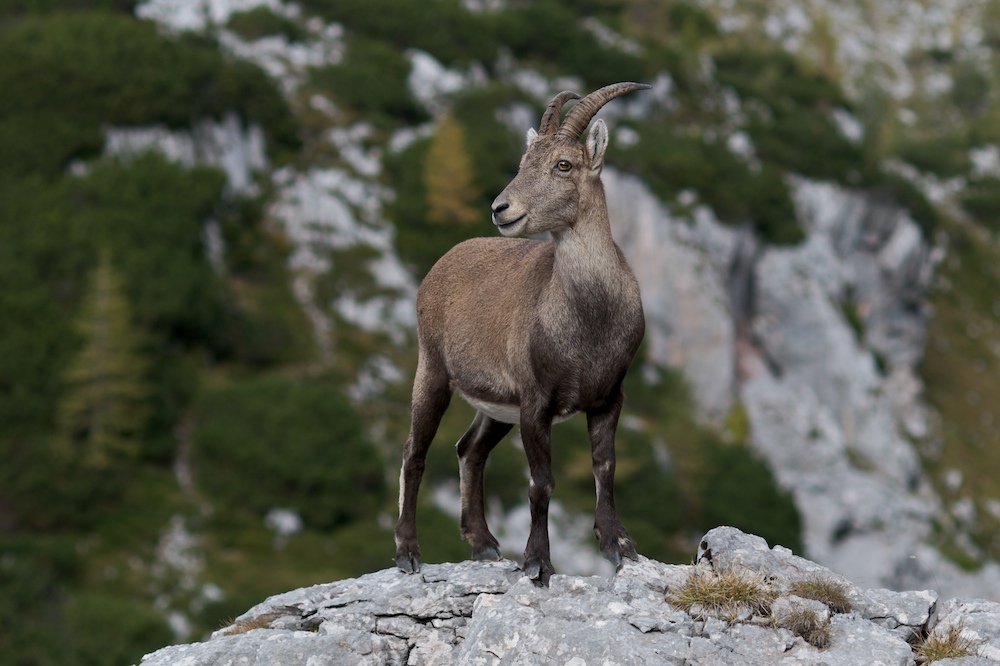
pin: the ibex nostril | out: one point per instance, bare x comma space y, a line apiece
499, 208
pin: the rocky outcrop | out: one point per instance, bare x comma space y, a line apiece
486, 613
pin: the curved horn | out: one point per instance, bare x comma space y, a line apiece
550, 120
580, 115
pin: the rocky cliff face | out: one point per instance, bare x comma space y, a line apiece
819, 343
486, 613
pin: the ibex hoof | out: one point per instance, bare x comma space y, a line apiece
538, 571
408, 562
486, 554
623, 547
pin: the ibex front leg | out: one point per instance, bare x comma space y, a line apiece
536, 434
602, 423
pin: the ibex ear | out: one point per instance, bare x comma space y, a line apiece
531, 136
597, 143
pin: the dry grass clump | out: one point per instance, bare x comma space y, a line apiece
727, 594
821, 589
734, 594
809, 626
935, 647
249, 624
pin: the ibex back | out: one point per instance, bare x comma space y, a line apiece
530, 332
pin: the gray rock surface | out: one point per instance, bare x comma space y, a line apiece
819, 342
486, 613
976, 621
682, 269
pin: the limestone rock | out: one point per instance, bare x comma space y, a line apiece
976, 621
819, 342
486, 613
682, 271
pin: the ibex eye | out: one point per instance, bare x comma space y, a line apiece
564, 165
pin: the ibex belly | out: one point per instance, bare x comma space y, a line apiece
507, 412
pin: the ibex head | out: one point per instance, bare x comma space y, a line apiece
557, 172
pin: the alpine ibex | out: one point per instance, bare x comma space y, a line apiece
530, 332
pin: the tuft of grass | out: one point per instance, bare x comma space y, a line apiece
727, 594
821, 589
860, 461
737, 424
809, 626
951, 645
231, 628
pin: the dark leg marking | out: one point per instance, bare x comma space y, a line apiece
473, 450
614, 539
536, 433
431, 395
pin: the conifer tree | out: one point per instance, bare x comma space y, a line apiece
449, 177
105, 405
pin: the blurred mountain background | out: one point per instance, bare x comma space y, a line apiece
214, 216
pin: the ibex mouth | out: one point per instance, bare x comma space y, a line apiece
507, 225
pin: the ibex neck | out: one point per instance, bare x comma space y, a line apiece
587, 261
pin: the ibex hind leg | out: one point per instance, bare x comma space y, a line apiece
473, 450
431, 395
